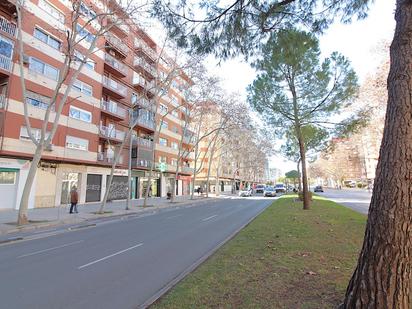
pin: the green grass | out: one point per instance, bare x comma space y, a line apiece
286, 258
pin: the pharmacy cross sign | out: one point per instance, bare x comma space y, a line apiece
162, 166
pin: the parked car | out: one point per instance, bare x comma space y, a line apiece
318, 189
245, 192
260, 188
280, 188
269, 191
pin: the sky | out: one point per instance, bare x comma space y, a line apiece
356, 41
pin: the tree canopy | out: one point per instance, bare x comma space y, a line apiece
239, 26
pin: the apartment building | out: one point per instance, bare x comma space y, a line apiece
114, 89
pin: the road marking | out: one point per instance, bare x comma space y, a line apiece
208, 218
172, 217
50, 249
109, 256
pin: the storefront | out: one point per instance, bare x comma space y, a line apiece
155, 187
93, 188
13, 175
136, 176
185, 184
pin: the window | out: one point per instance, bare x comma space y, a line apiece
162, 159
162, 108
38, 100
175, 145
165, 125
134, 98
174, 99
175, 129
86, 35
79, 57
51, 10
175, 113
76, 143
24, 134
83, 87
173, 162
80, 114
46, 38
87, 12
38, 66
6, 48
7, 178
163, 141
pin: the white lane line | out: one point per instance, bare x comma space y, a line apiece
172, 217
109, 256
208, 218
50, 249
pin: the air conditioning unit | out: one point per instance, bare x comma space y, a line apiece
26, 59
48, 147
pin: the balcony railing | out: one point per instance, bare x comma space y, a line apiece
2, 101
104, 157
188, 139
113, 108
149, 68
145, 122
117, 43
138, 162
8, 27
115, 86
143, 142
147, 104
116, 64
187, 170
5, 63
139, 44
144, 83
112, 133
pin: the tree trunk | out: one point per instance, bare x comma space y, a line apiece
306, 197
382, 278
24, 202
300, 182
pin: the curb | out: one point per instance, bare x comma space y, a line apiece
195, 265
137, 211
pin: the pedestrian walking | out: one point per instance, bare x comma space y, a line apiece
74, 198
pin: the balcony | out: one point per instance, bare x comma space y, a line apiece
145, 49
144, 122
114, 66
111, 133
149, 70
118, 26
116, 44
187, 170
113, 110
138, 162
114, 88
8, 27
2, 101
5, 63
142, 142
109, 159
189, 139
145, 103
144, 85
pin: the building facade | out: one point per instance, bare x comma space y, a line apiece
115, 88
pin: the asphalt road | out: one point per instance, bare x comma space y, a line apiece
355, 199
119, 263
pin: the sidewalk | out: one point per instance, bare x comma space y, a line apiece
55, 216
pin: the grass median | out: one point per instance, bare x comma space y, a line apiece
286, 258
